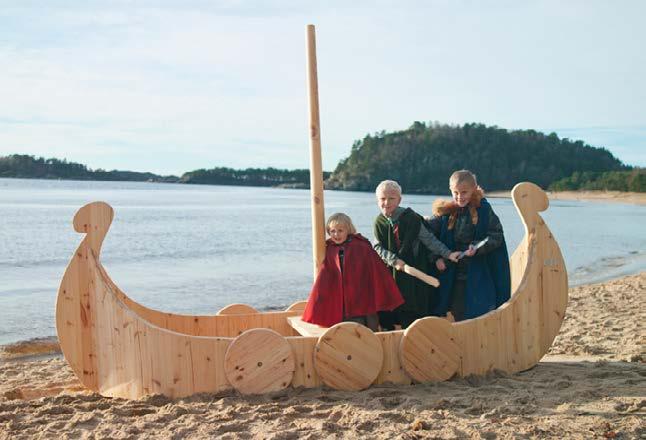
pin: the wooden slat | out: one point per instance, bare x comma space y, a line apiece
305, 328
391, 369
305, 374
207, 325
136, 358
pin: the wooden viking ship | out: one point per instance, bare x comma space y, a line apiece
120, 348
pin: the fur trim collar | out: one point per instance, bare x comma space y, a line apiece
447, 206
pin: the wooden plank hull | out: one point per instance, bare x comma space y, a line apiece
120, 348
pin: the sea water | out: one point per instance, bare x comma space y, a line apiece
196, 248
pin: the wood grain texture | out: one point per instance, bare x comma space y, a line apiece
316, 164
516, 336
298, 306
208, 325
120, 348
305, 328
429, 351
392, 370
305, 374
348, 356
122, 354
413, 271
259, 361
237, 309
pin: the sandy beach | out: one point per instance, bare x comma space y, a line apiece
592, 384
632, 198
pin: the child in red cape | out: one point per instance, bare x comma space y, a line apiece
353, 283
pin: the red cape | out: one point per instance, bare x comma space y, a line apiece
365, 287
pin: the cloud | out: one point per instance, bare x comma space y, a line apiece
114, 84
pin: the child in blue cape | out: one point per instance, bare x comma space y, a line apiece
480, 281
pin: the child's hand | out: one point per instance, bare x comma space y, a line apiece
440, 264
471, 251
454, 256
399, 265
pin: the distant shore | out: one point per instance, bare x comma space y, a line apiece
633, 198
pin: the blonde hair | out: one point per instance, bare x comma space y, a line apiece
388, 185
340, 219
458, 178
463, 176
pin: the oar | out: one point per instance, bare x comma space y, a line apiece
410, 270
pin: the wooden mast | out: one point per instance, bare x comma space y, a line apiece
316, 170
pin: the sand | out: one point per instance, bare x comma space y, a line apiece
632, 198
592, 384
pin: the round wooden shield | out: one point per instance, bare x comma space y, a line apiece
237, 309
259, 361
348, 356
428, 350
298, 306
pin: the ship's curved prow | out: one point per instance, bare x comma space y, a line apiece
121, 348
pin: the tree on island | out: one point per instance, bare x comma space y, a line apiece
299, 178
423, 157
633, 180
30, 167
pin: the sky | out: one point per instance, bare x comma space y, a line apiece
173, 86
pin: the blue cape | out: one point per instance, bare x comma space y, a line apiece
488, 277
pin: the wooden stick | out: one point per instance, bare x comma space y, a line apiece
316, 170
410, 270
